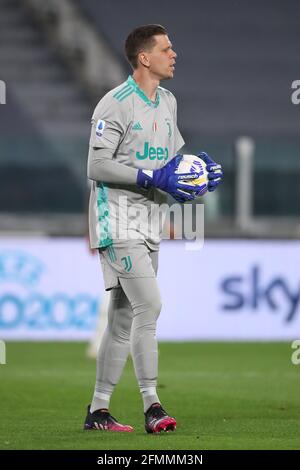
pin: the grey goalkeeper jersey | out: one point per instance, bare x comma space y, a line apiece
143, 135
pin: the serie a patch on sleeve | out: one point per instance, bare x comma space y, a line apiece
100, 127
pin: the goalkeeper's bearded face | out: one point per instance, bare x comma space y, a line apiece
162, 58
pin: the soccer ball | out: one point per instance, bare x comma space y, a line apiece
194, 165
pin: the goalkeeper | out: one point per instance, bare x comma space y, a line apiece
134, 138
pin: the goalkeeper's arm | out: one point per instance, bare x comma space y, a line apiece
101, 167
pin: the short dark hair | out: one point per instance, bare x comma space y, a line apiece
139, 39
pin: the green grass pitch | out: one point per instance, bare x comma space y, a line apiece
224, 396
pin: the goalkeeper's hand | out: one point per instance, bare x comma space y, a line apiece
214, 171
167, 180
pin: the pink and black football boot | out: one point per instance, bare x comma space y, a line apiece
101, 420
157, 420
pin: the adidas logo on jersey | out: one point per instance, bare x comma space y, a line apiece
137, 127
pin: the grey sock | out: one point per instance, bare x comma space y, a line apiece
100, 401
149, 397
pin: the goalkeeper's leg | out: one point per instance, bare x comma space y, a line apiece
95, 341
144, 297
114, 349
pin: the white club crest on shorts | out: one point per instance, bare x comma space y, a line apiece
100, 127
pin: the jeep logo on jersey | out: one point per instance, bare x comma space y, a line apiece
100, 127
153, 153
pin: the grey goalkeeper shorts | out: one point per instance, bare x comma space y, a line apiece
131, 259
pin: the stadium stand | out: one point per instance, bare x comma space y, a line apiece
44, 125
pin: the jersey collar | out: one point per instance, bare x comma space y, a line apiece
139, 91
